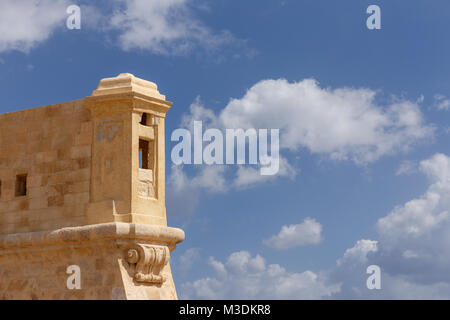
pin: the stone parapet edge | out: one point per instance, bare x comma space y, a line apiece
93, 233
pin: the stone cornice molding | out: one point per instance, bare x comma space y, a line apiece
161, 235
127, 93
125, 83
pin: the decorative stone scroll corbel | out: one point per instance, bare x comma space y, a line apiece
149, 261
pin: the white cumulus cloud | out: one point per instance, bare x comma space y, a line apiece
358, 253
24, 24
244, 276
422, 215
413, 253
309, 232
166, 27
342, 123
163, 27
413, 250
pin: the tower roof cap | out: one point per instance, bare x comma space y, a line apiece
127, 83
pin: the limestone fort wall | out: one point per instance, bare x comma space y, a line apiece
45, 160
82, 187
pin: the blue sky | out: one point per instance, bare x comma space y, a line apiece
374, 195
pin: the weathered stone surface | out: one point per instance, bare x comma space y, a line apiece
72, 192
33, 265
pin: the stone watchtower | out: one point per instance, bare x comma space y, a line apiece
82, 192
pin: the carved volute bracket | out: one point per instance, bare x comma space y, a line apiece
149, 261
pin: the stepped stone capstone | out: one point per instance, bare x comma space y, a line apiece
82, 183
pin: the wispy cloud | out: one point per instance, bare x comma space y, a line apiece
187, 260
441, 102
406, 167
